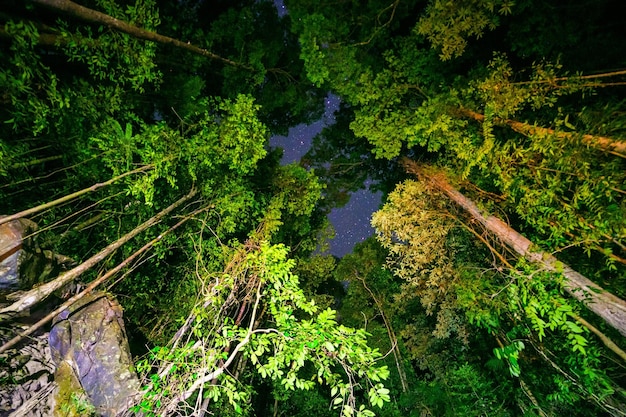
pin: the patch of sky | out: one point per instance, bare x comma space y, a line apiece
352, 221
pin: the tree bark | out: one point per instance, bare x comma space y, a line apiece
94, 16
614, 146
36, 295
604, 304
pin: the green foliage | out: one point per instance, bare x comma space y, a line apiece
24, 77
112, 56
315, 273
447, 25
524, 306
345, 163
297, 195
519, 130
226, 138
513, 113
462, 391
545, 308
486, 122
413, 227
297, 353
510, 353
80, 405
51, 112
313, 48
302, 403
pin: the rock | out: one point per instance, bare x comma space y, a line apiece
23, 263
91, 338
11, 234
83, 366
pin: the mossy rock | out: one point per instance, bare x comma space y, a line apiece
90, 338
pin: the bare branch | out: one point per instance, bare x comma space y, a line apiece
35, 295
604, 338
575, 77
390, 333
220, 370
92, 285
72, 196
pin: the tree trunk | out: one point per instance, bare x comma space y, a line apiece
606, 305
614, 146
35, 295
94, 16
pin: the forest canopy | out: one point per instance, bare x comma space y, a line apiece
135, 135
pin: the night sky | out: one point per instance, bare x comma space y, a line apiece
351, 222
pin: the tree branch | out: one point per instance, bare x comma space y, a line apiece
574, 77
392, 335
220, 370
604, 338
92, 285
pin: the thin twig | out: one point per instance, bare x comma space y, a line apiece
35, 295
72, 196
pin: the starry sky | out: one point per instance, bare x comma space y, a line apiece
351, 222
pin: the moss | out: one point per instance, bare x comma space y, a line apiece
71, 399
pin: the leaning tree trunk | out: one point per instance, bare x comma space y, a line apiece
94, 16
36, 295
606, 305
97, 282
614, 146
